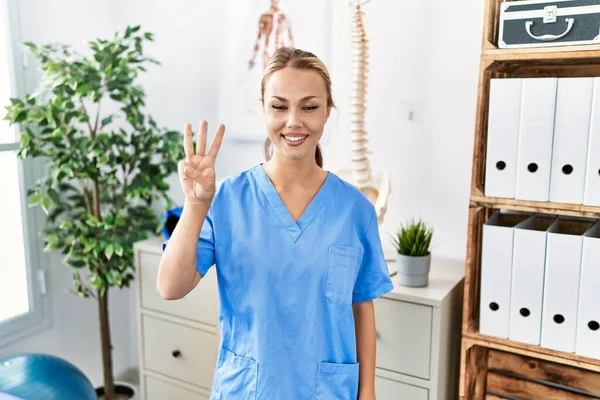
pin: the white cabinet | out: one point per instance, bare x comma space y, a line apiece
396, 343
418, 336
178, 339
389, 389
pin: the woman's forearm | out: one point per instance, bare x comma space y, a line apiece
177, 274
364, 320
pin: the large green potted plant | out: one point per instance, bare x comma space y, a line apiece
413, 248
103, 169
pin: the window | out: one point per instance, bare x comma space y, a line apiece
21, 275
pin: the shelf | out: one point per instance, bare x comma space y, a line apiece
571, 210
493, 368
564, 54
537, 352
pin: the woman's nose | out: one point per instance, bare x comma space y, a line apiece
294, 120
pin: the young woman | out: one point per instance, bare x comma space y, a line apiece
296, 250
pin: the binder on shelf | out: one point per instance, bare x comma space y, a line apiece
561, 283
592, 176
496, 268
502, 137
571, 136
536, 130
527, 284
588, 316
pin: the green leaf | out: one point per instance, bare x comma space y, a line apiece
96, 281
83, 90
20, 117
75, 263
106, 121
114, 278
53, 194
118, 249
31, 46
35, 199
46, 204
108, 251
25, 139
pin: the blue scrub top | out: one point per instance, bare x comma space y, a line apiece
286, 288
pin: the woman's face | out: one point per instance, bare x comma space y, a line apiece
295, 109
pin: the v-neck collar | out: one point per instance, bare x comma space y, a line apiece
294, 228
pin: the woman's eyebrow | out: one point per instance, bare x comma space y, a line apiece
305, 98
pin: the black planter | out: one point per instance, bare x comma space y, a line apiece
120, 388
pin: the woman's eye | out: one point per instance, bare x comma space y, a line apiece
278, 108
311, 108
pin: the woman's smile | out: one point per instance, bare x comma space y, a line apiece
294, 139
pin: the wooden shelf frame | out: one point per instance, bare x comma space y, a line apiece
532, 351
563, 209
478, 351
499, 372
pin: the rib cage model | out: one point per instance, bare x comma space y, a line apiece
375, 186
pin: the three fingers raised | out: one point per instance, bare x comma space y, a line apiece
188, 142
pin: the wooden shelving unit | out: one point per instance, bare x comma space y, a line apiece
493, 368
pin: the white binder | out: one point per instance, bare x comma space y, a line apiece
571, 135
561, 284
535, 139
592, 175
496, 268
588, 320
529, 258
502, 138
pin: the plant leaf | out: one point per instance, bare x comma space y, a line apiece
109, 250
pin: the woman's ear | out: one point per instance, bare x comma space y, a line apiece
328, 113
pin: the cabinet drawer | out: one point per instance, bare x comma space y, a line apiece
201, 304
403, 337
159, 390
180, 352
388, 389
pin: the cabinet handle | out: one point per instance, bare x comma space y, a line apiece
176, 353
377, 335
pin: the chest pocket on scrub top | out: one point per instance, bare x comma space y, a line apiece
342, 267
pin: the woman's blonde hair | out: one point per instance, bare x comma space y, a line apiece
300, 59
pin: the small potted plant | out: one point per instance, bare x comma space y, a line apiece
413, 247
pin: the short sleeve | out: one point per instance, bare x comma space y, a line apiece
373, 279
205, 249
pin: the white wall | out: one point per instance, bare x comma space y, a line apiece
424, 57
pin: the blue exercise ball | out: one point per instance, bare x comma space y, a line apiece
43, 377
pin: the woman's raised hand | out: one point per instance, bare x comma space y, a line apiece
197, 171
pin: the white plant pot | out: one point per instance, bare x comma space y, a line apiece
413, 271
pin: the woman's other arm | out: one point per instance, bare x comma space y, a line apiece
364, 317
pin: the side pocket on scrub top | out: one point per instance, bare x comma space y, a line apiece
337, 381
236, 377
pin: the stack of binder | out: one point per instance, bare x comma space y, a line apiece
543, 140
540, 281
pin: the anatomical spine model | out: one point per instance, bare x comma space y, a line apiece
374, 185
